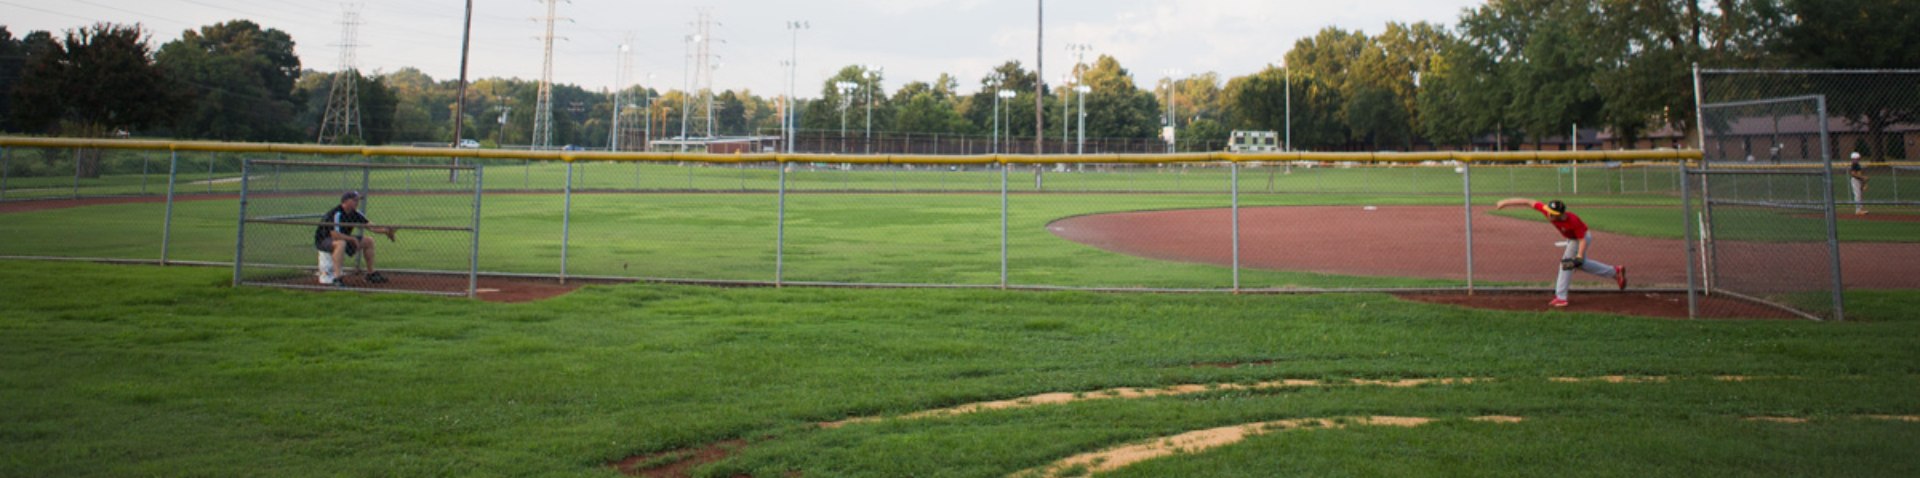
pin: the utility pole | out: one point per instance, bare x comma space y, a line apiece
460, 101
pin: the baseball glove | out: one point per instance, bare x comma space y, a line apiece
1571, 264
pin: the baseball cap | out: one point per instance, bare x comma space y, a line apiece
350, 195
1856, 155
1555, 207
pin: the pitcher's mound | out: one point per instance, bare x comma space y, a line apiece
1670, 305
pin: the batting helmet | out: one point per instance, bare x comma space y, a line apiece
1557, 207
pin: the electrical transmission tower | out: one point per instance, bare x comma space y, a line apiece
543, 109
701, 105
342, 117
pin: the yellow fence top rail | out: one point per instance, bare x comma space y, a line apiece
509, 154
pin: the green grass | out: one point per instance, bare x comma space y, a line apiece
166, 371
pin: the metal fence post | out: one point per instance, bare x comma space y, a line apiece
1686, 220
780, 227
1466, 189
1833, 238
473, 255
4, 165
166, 223
240, 234
1234, 176
1003, 221
76, 173
566, 221
210, 162
144, 157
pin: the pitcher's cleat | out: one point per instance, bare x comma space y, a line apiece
1620, 276
1557, 303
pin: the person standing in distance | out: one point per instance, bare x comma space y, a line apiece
1859, 181
337, 237
1578, 240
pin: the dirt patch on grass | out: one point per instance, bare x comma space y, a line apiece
676, 463
1196, 441
1137, 393
489, 288
1666, 305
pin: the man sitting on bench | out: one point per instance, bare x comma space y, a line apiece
337, 238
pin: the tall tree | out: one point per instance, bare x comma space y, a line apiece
97, 80
238, 80
1828, 34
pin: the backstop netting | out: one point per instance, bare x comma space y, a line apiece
432, 210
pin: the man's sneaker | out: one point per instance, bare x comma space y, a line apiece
376, 278
1557, 303
1620, 276
338, 283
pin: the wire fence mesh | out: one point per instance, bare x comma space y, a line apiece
421, 223
1323, 221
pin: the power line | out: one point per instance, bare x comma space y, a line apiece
65, 14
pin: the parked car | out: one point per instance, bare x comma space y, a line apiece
469, 144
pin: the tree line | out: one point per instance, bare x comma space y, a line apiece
1516, 70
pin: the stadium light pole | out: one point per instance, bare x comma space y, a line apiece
994, 136
1066, 87
846, 100
793, 63
873, 76
1008, 94
1173, 116
1079, 51
1287, 74
1082, 91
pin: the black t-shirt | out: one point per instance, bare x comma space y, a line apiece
1856, 166
338, 215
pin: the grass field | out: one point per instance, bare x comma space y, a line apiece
168, 372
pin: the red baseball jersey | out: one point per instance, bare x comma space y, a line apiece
1571, 228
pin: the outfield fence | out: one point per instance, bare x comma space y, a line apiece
1280, 222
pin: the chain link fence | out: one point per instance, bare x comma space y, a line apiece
421, 236
1794, 161
1198, 222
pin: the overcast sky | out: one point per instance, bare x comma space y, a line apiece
912, 39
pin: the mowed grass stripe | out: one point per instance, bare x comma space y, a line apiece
115, 370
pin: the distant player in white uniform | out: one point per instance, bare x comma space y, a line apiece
1858, 178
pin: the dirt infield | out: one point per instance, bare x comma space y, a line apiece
489, 288
1426, 242
1644, 304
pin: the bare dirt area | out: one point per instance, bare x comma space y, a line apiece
1669, 305
489, 288
676, 463
1427, 242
